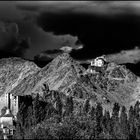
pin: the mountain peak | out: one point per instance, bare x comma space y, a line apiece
63, 57
115, 83
59, 74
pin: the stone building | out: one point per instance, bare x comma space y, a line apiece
8, 118
6, 124
98, 65
11, 102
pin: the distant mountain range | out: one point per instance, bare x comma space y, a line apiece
64, 74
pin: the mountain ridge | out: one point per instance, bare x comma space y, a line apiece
13, 71
54, 71
65, 75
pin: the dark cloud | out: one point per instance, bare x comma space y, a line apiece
99, 34
11, 44
25, 17
102, 27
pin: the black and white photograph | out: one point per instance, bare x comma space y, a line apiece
69, 70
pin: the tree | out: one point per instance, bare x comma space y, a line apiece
137, 109
59, 105
29, 119
137, 120
115, 126
92, 118
106, 122
20, 124
39, 110
115, 112
69, 105
98, 119
131, 123
86, 106
1, 135
92, 113
124, 123
36, 112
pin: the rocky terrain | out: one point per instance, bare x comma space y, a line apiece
59, 74
13, 71
114, 84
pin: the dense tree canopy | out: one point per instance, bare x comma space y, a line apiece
42, 120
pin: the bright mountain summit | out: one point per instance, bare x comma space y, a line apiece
64, 74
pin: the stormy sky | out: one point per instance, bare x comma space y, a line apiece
32, 27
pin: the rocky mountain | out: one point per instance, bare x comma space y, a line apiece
60, 74
114, 84
13, 71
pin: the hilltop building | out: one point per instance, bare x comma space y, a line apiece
97, 65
